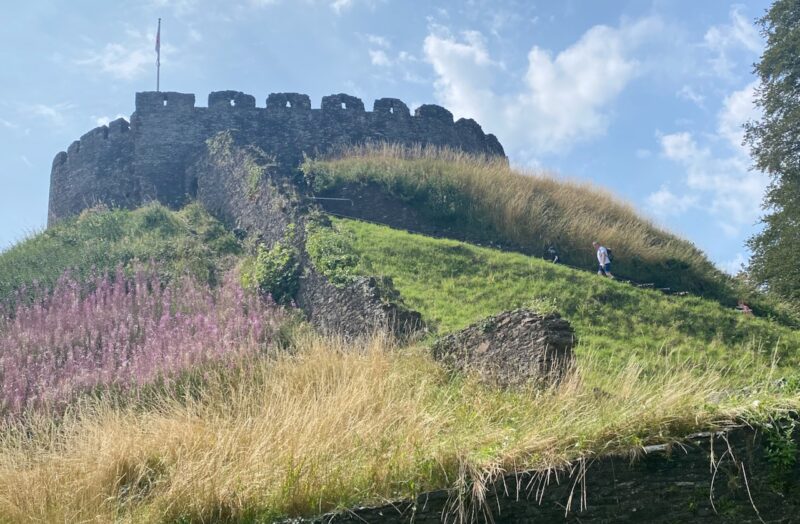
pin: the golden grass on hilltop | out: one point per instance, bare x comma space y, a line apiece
530, 209
331, 425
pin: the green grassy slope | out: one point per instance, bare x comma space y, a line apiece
487, 201
454, 284
189, 240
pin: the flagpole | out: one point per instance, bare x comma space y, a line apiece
158, 58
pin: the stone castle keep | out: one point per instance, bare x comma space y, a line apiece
125, 165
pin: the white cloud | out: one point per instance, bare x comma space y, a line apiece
8, 124
339, 5
54, 114
26, 161
665, 203
733, 266
738, 108
104, 120
178, 6
687, 93
680, 147
721, 178
378, 41
464, 72
122, 61
379, 58
560, 100
727, 39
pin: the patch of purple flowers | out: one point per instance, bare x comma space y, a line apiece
124, 333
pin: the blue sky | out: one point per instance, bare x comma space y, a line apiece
643, 98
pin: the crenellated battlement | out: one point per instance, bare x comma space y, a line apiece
125, 164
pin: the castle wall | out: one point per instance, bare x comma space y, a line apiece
121, 166
96, 169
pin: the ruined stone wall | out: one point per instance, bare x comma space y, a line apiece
361, 308
123, 165
723, 478
242, 187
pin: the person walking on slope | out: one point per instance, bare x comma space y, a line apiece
604, 260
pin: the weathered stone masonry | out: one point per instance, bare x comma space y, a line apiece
721, 478
124, 165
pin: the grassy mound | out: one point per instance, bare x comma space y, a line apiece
490, 202
454, 284
330, 425
96, 241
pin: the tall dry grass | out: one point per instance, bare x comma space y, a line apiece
328, 426
529, 209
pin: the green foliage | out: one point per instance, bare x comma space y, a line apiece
275, 271
332, 252
186, 241
454, 284
781, 450
774, 143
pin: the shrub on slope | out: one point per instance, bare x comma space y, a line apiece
490, 202
187, 241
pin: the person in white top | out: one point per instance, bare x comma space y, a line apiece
604, 260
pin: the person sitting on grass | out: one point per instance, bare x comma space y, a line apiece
604, 260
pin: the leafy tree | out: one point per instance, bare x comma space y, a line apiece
774, 142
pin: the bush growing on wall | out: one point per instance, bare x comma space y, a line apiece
332, 252
274, 271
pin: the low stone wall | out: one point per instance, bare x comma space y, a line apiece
358, 309
721, 478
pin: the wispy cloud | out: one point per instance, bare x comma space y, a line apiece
688, 93
8, 124
665, 203
118, 60
126, 60
717, 171
378, 41
734, 265
104, 120
337, 6
54, 114
379, 57
725, 39
180, 7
